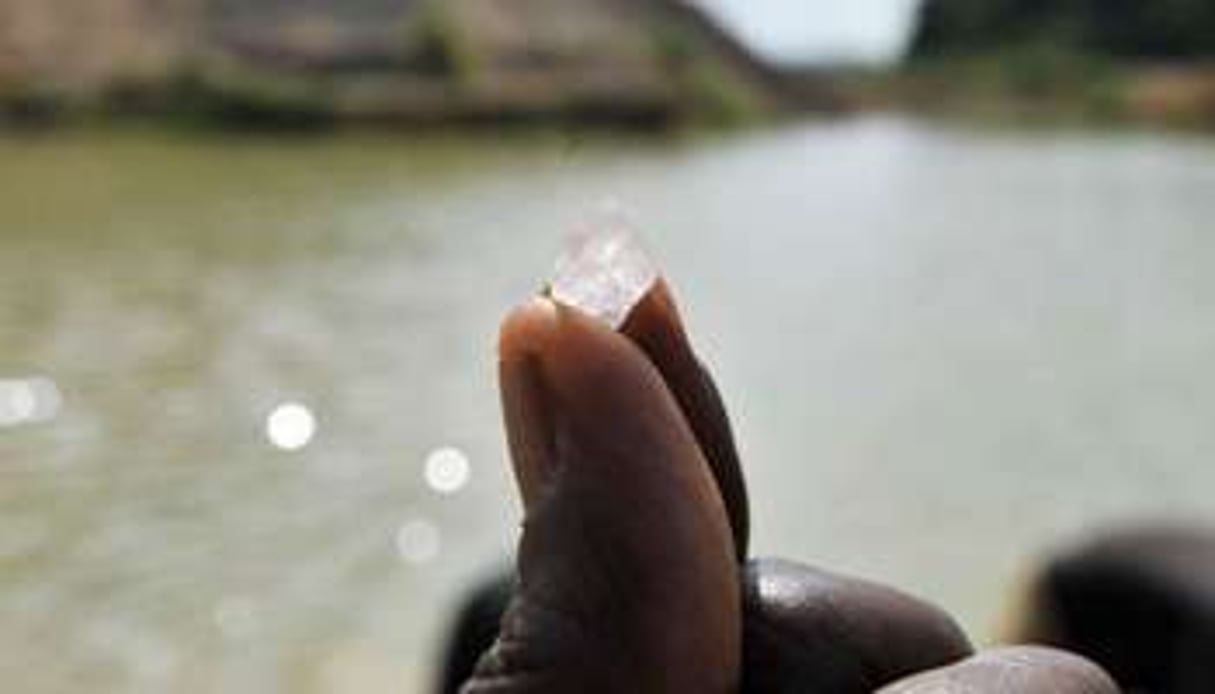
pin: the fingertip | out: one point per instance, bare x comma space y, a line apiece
1012, 670
622, 517
588, 355
564, 373
527, 330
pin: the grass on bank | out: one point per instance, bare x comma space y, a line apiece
1043, 82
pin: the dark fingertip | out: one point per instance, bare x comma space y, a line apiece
627, 578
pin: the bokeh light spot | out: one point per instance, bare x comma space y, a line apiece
447, 470
28, 401
418, 542
291, 427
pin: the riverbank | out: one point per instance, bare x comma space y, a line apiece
1048, 91
1077, 61
1172, 96
229, 95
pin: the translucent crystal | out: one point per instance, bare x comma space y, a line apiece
604, 272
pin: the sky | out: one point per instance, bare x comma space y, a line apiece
872, 31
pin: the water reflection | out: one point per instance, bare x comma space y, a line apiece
291, 427
28, 401
447, 470
419, 541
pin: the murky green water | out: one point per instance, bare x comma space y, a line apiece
945, 351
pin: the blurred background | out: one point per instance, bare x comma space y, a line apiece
948, 259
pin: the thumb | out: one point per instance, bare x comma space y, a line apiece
627, 580
1011, 670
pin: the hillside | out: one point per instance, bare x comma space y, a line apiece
635, 61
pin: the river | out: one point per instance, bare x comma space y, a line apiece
946, 350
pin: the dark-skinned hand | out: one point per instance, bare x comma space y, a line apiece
632, 572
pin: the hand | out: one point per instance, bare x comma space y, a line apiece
632, 570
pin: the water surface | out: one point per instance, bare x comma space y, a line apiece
945, 351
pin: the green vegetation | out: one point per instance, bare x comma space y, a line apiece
1122, 29
1045, 74
28, 104
674, 44
711, 92
233, 96
1145, 60
717, 97
437, 46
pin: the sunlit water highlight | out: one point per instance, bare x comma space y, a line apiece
291, 426
944, 350
28, 401
447, 470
